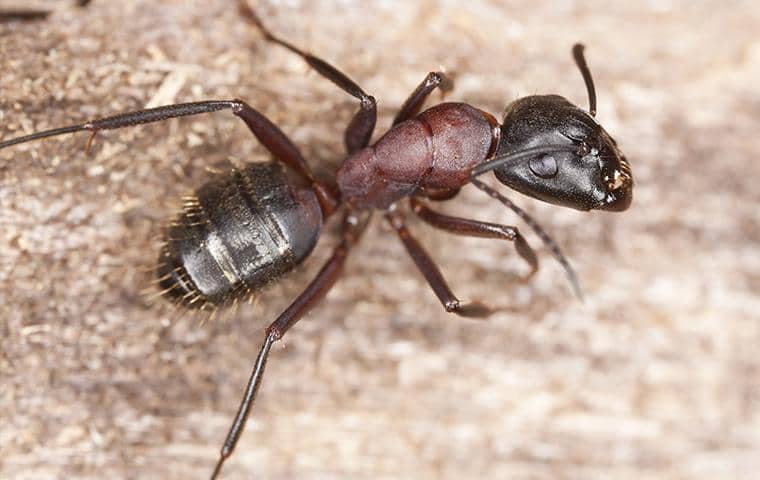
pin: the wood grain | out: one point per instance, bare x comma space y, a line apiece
656, 375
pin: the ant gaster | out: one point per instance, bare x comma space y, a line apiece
249, 227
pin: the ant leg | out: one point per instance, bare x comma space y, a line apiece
474, 228
359, 130
548, 241
432, 274
267, 132
130, 119
23, 15
30, 14
413, 104
314, 292
283, 149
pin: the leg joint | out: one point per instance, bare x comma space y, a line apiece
368, 102
237, 105
452, 306
510, 233
274, 332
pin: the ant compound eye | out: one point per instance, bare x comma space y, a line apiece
544, 165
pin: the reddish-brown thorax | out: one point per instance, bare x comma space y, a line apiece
433, 151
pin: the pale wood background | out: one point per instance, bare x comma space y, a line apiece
656, 375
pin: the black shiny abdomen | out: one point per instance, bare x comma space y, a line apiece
239, 232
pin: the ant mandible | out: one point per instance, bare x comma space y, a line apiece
249, 227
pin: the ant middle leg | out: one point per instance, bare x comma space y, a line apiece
413, 104
314, 292
433, 274
475, 228
359, 130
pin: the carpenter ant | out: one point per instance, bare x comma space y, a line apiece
249, 227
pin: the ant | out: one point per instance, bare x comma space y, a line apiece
247, 228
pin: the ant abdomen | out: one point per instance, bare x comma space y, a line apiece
237, 233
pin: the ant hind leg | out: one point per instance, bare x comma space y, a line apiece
30, 14
314, 292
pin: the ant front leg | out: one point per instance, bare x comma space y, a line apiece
432, 273
359, 130
413, 104
548, 241
314, 292
474, 228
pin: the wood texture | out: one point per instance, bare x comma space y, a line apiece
656, 375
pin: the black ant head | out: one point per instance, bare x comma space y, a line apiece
558, 153
590, 173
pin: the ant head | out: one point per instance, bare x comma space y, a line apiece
581, 166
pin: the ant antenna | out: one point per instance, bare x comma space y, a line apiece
548, 241
497, 162
580, 60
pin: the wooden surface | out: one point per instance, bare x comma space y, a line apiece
656, 375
